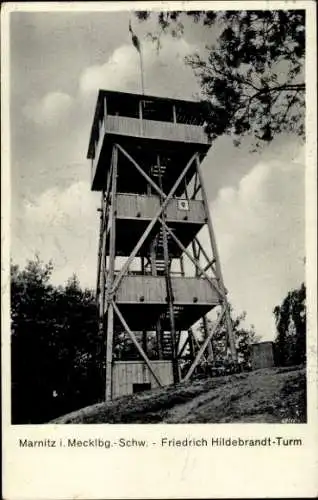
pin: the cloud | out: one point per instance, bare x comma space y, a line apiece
63, 226
164, 72
49, 110
260, 230
258, 214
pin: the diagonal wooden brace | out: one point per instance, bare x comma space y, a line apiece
196, 263
204, 346
190, 333
141, 171
136, 343
151, 225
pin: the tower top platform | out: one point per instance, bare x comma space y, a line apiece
159, 109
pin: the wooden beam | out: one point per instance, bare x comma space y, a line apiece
182, 265
202, 249
195, 186
217, 262
195, 192
218, 290
105, 210
141, 171
110, 277
204, 346
174, 360
195, 256
136, 343
100, 250
141, 118
186, 342
152, 224
207, 267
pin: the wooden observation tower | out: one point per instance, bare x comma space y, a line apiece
145, 157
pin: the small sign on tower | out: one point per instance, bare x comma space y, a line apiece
183, 204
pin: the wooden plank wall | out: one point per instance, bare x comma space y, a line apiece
130, 205
153, 290
153, 129
127, 373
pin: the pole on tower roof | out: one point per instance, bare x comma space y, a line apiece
136, 43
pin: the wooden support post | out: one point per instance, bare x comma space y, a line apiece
102, 262
195, 186
217, 263
135, 341
153, 258
195, 256
204, 346
207, 267
195, 192
182, 265
181, 351
202, 249
174, 113
186, 188
105, 111
100, 282
110, 278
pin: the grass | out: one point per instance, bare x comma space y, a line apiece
263, 396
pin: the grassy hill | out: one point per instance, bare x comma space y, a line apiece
263, 396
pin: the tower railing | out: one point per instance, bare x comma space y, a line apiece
149, 129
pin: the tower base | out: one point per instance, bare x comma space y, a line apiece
130, 377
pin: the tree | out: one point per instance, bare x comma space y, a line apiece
252, 80
290, 319
56, 353
243, 338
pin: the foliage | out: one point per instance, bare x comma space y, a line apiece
56, 353
252, 79
243, 338
290, 319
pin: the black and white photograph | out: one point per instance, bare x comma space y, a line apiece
158, 260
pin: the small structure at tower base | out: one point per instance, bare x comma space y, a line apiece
134, 376
262, 355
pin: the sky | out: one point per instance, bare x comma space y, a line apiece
58, 61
